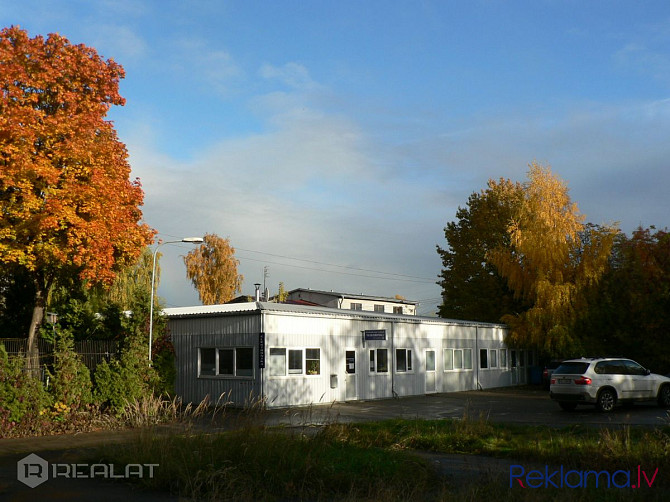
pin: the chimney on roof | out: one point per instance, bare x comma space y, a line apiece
258, 292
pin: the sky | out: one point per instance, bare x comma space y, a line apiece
332, 141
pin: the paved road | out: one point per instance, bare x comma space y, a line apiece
520, 406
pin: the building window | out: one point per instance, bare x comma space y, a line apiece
448, 356
228, 362
403, 360
503, 358
244, 361
430, 360
313, 361
281, 365
397, 310
493, 358
277, 362
379, 308
457, 359
356, 306
295, 362
351, 361
483, 358
467, 359
379, 362
208, 361
522, 358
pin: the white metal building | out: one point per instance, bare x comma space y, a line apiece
353, 302
297, 355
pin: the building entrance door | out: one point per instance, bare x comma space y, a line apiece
350, 380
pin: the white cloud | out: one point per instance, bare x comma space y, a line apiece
214, 69
292, 74
642, 59
119, 42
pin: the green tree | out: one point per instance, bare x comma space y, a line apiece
628, 310
551, 260
71, 380
212, 268
472, 288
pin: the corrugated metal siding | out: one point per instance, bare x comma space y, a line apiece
190, 334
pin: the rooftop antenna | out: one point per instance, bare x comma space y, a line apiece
266, 274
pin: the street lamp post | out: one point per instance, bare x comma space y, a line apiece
191, 240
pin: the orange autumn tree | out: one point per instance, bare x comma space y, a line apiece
67, 204
212, 268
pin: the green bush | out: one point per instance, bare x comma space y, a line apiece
21, 395
164, 364
70, 382
120, 382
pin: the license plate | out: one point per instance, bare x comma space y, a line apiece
564, 380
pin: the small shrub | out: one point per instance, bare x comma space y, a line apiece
163, 362
70, 382
21, 395
122, 381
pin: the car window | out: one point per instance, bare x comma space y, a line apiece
634, 369
571, 368
603, 368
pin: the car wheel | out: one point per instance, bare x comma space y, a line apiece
567, 406
606, 400
664, 396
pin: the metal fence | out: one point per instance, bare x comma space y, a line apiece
92, 352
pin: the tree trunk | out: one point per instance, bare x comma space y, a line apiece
33, 351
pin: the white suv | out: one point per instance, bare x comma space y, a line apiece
606, 381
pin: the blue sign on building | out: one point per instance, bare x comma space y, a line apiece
374, 334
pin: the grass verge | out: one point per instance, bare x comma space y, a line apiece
377, 461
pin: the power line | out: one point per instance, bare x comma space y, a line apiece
421, 281
338, 266
395, 276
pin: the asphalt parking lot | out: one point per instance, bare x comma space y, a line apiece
510, 405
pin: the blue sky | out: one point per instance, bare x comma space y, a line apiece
334, 140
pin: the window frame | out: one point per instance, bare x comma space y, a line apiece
409, 366
374, 361
293, 355
493, 358
236, 374
459, 360
308, 371
502, 358
272, 366
483, 359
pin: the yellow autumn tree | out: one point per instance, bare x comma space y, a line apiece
550, 260
212, 268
